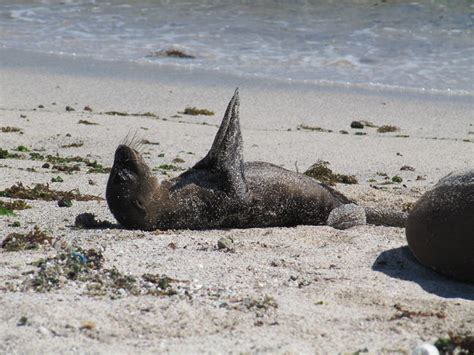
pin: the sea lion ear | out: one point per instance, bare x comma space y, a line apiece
226, 156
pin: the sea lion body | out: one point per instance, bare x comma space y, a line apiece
440, 227
221, 191
275, 197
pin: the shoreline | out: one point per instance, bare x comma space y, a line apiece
299, 289
85, 66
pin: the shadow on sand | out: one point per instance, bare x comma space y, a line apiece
401, 264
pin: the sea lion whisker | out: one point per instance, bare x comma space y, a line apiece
126, 139
136, 141
132, 141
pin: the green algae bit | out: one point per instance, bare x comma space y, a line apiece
397, 179
5, 154
6, 212
57, 179
22, 148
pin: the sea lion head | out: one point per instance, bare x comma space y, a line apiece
131, 189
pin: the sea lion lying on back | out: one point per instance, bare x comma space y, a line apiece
221, 191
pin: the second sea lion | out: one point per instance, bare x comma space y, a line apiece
223, 191
440, 227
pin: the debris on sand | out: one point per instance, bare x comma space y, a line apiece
31, 240
86, 267
456, 344
321, 172
89, 221
43, 192
73, 145
86, 122
172, 52
64, 202
5, 154
226, 244
397, 179
9, 129
312, 128
193, 111
357, 125
387, 128
403, 312
53, 272
59, 163
14, 205
119, 113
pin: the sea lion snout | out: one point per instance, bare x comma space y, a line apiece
128, 158
131, 189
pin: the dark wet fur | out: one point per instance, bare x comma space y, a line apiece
220, 191
440, 227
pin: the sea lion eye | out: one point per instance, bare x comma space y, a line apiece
139, 205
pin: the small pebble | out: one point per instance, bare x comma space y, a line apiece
357, 125
22, 321
43, 331
225, 243
425, 349
64, 202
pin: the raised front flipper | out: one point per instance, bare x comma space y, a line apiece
225, 156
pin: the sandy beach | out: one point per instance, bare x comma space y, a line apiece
307, 289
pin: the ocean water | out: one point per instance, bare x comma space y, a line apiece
425, 45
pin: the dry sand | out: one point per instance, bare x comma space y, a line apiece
309, 289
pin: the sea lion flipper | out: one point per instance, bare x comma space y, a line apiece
225, 156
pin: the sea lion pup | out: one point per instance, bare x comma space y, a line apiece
221, 191
440, 227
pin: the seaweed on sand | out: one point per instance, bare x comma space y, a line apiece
456, 344
43, 192
86, 267
31, 240
321, 172
193, 111
387, 128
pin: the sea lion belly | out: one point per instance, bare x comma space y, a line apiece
275, 197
